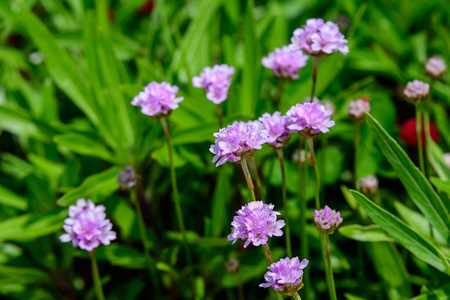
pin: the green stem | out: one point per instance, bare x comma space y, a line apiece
248, 178
419, 136
150, 263
220, 114
331, 287
314, 78
302, 177
268, 253
316, 172
176, 196
240, 286
96, 277
255, 174
297, 296
278, 93
286, 210
356, 154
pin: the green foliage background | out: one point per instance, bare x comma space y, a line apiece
69, 70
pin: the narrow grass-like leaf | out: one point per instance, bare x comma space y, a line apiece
417, 186
11, 199
371, 233
401, 232
441, 185
220, 201
80, 144
436, 158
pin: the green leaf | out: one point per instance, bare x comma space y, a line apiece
441, 185
439, 294
11, 199
417, 186
436, 158
24, 275
220, 200
93, 187
371, 233
118, 255
401, 232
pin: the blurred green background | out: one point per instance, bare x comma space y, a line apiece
68, 72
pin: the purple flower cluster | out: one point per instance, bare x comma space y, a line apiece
319, 38
276, 130
285, 276
435, 67
416, 90
358, 108
256, 222
327, 220
237, 141
158, 99
309, 119
216, 81
285, 62
87, 227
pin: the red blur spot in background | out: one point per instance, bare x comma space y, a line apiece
147, 7
409, 134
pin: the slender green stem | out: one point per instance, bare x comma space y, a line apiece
331, 287
426, 116
297, 296
150, 262
240, 286
268, 253
356, 154
278, 93
248, 178
255, 174
96, 277
314, 78
419, 136
220, 114
176, 196
302, 177
286, 210
325, 261
316, 172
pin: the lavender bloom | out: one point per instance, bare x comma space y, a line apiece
86, 226
216, 81
325, 102
369, 185
327, 220
309, 119
127, 178
285, 62
358, 108
276, 129
285, 276
416, 90
256, 222
237, 141
319, 38
435, 67
158, 99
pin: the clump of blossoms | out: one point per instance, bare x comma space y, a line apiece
416, 90
325, 102
86, 226
256, 222
358, 108
318, 38
327, 220
216, 81
276, 130
369, 185
285, 276
435, 67
158, 99
237, 141
285, 62
309, 119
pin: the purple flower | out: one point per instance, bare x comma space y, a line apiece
369, 185
319, 38
285, 62
358, 108
237, 141
309, 119
416, 90
435, 67
127, 178
158, 99
325, 102
215, 81
256, 222
327, 220
86, 226
275, 129
285, 276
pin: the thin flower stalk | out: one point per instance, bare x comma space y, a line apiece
176, 196
331, 287
220, 114
314, 77
96, 276
357, 141
419, 136
248, 178
316, 172
284, 195
302, 177
255, 174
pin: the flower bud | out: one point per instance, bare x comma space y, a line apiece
127, 178
369, 185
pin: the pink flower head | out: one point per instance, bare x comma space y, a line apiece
325, 102
435, 67
319, 39
256, 222
416, 90
369, 185
309, 119
327, 220
285, 62
285, 276
237, 141
158, 99
216, 81
358, 108
86, 226
276, 130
